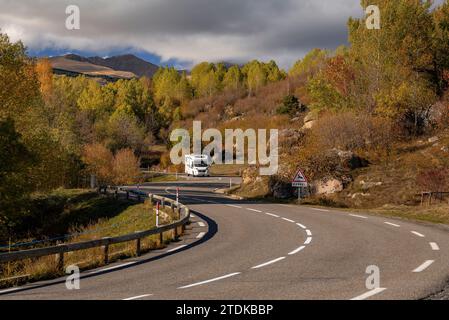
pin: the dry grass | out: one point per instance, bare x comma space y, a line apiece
135, 218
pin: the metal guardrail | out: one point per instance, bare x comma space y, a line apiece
106, 242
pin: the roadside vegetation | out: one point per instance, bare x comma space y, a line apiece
84, 216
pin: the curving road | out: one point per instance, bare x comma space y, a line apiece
252, 250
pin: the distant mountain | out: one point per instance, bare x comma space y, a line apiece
74, 65
129, 63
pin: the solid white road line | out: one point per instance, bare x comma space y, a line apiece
308, 240
392, 224
297, 250
369, 294
424, 266
201, 224
200, 235
177, 248
233, 206
209, 281
268, 263
10, 290
309, 233
358, 216
113, 268
272, 215
322, 210
253, 210
418, 234
301, 225
138, 297
288, 220
434, 246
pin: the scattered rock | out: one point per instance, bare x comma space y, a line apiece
308, 125
445, 149
355, 195
433, 139
370, 185
311, 116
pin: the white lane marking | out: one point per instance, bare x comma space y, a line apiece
424, 266
200, 235
286, 205
434, 246
358, 216
309, 233
233, 206
201, 224
288, 220
192, 216
138, 297
209, 281
301, 225
297, 250
369, 294
268, 263
308, 240
177, 248
113, 268
272, 215
392, 224
253, 210
322, 210
418, 234
11, 290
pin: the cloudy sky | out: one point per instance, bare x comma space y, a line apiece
182, 32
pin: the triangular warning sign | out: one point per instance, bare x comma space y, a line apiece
300, 180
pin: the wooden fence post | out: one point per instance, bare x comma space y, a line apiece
106, 253
138, 243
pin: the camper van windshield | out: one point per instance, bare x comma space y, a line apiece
201, 163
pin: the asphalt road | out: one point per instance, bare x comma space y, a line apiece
237, 250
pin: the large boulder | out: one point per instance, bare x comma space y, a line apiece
327, 186
281, 189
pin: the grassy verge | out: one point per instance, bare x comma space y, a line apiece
131, 218
433, 214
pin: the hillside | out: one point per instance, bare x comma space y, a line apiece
129, 63
75, 65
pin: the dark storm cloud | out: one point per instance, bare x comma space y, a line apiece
189, 30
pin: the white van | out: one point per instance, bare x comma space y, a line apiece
197, 165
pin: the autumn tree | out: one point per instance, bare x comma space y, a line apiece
126, 168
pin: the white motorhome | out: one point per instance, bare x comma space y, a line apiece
197, 165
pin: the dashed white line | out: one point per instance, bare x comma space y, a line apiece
209, 281
138, 297
308, 240
418, 234
233, 206
177, 248
272, 215
369, 294
301, 225
392, 224
358, 216
113, 268
201, 224
253, 210
288, 220
424, 266
268, 263
297, 250
286, 205
434, 246
322, 210
201, 235
309, 233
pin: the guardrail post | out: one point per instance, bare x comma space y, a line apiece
151, 198
163, 203
106, 252
176, 233
127, 195
60, 258
161, 238
172, 206
138, 243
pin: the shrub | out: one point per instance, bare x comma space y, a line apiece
434, 180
